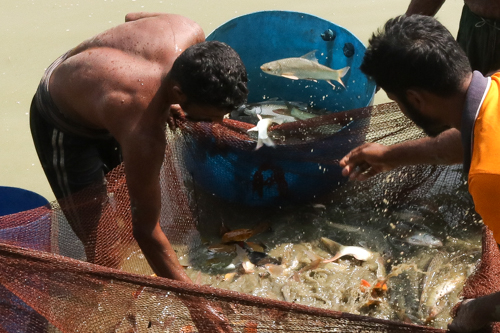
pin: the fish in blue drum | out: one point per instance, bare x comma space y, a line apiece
278, 110
306, 67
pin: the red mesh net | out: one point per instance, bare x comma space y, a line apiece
213, 177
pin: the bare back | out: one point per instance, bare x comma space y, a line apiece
116, 75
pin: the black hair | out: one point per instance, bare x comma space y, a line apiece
415, 52
211, 73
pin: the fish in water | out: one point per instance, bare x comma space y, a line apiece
278, 110
434, 301
413, 234
305, 67
424, 239
258, 258
293, 110
240, 235
340, 250
261, 128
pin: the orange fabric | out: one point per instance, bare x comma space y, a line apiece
484, 174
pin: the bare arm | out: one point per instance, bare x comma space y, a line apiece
143, 156
424, 7
476, 313
370, 159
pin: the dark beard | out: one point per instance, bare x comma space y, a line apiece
432, 127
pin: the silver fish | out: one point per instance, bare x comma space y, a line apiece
340, 250
443, 289
305, 67
423, 239
280, 111
413, 234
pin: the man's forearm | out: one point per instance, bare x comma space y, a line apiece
424, 7
446, 149
158, 251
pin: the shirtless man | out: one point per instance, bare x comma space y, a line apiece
110, 99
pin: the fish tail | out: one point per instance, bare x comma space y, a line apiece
339, 81
259, 144
335, 257
343, 71
267, 141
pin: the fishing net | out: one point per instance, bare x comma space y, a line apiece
213, 178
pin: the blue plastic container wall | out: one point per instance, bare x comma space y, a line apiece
284, 174
15, 200
266, 36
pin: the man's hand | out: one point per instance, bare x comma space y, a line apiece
175, 112
468, 318
366, 161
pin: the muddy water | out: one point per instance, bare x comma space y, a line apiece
421, 254
33, 33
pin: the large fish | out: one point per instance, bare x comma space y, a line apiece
305, 67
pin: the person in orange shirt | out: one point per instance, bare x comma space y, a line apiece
418, 63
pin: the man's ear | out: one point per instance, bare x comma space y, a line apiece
416, 98
178, 96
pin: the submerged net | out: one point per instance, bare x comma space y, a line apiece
213, 179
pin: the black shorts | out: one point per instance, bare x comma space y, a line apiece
71, 162
480, 39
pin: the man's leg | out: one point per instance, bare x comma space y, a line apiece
75, 170
480, 39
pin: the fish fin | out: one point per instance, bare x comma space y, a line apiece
288, 76
339, 81
296, 105
310, 56
268, 142
343, 71
284, 112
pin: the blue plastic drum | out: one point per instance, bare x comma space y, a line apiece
284, 174
266, 36
15, 200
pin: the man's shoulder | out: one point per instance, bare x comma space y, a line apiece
174, 20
